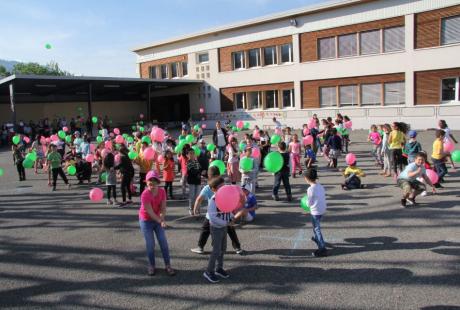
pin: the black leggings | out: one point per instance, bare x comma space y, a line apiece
142, 183
396, 156
112, 189
206, 231
126, 186
60, 172
21, 170
168, 186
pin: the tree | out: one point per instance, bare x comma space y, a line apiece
33, 68
3, 71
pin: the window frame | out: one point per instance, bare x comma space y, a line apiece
259, 100
334, 39
242, 59
441, 31
355, 96
356, 46
198, 61
291, 98
259, 60
361, 101
385, 97
175, 65
274, 56
380, 50
321, 97
182, 63
275, 99
235, 101
290, 52
167, 71
153, 69
404, 40
457, 91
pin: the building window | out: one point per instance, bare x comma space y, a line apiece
153, 72
448, 89
395, 93
270, 99
254, 58
369, 42
253, 100
164, 71
184, 68
393, 39
450, 30
288, 98
239, 101
347, 45
238, 60
203, 58
371, 94
328, 96
174, 70
269, 55
286, 53
326, 48
348, 95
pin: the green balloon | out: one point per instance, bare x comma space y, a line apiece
130, 139
94, 119
189, 138
181, 137
48, 46
456, 156
141, 123
242, 146
99, 139
27, 163
146, 139
101, 132
104, 177
275, 139
132, 155
71, 170
2, 172
16, 139
196, 127
234, 128
246, 125
246, 164
61, 134
210, 147
178, 148
304, 203
133, 127
31, 156
197, 150
273, 162
219, 164
125, 136
68, 139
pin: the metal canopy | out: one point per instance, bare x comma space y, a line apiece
39, 89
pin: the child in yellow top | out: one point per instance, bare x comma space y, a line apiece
396, 142
353, 176
439, 157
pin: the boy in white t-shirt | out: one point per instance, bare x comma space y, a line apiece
317, 203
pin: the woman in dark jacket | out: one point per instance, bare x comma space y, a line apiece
127, 172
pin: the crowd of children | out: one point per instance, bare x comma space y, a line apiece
113, 159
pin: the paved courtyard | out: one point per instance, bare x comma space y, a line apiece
58, 249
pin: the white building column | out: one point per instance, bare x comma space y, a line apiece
297, 84
409, 72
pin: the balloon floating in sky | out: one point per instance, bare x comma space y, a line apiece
48, 46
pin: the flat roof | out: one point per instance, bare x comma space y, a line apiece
44, 88
328, 5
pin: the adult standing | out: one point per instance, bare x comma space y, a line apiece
152, 220
219, 138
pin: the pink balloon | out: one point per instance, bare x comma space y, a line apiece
141, 116
119, 139
350, 158
116, 131
240, 124
108, 145
256, 134
433, 176
117, 158
255, 152
65, 129
54, 138
348, 125
203, 126
149, 153
157, 134
96, 194
278, 131
160, 159
201, 110
307, 140
89, 158
92, 147
228, 198
448, 146
26, 139
306, 131
311, 123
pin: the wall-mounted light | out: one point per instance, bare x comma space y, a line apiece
293, 22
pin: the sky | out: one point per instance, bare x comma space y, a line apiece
95, 37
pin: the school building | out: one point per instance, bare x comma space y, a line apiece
374, 60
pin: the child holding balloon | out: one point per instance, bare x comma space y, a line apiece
111, 178
448, 139
18, 159
282, 175
294, 150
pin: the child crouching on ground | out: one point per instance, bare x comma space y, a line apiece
353, 177
219, 222
317, 203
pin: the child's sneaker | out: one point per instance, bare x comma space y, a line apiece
210, 277
423, 194
222, 273
411, 202
197, 250
275, 197
69, 186
320, 253
239, 251
403, 203
109, 202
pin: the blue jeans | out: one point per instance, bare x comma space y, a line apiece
221, 152
148, 228
440, 167
318, 237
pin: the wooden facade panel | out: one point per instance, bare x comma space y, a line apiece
428, 85
144, 66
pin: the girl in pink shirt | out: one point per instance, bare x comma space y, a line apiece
376, 140
294, 149
152, 221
